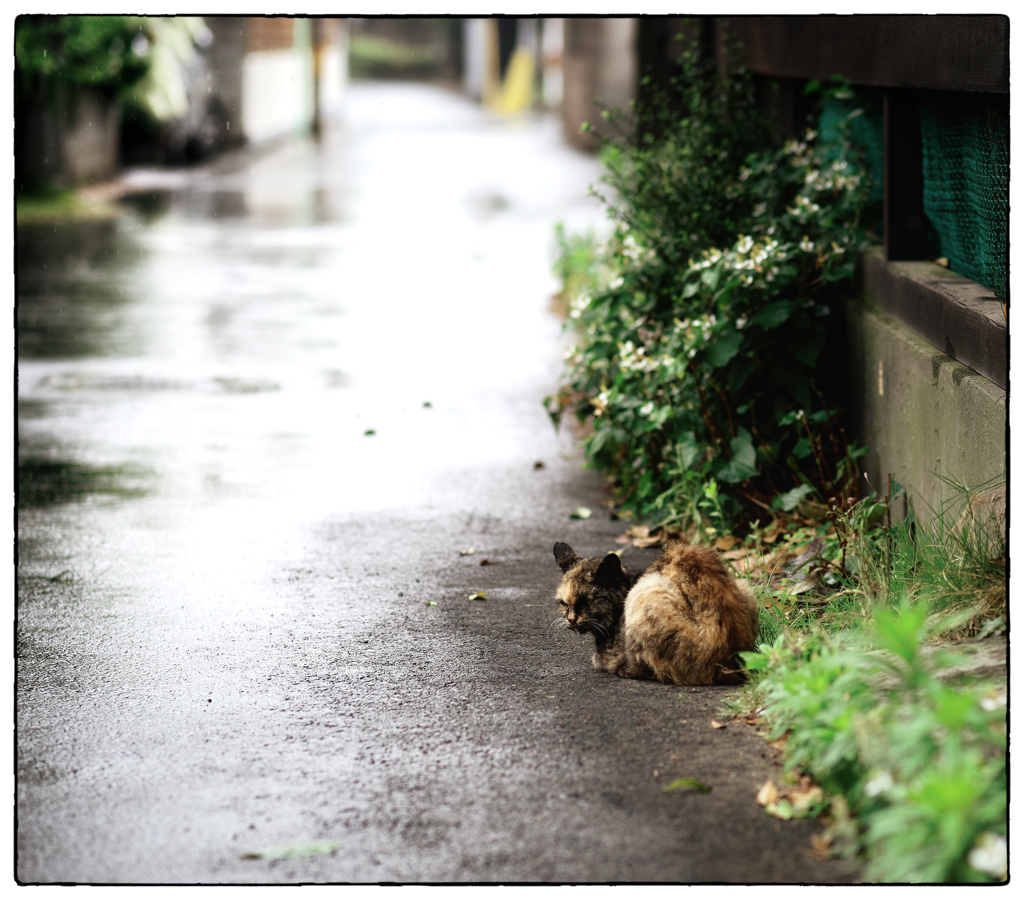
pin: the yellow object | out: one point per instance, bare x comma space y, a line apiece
517, 91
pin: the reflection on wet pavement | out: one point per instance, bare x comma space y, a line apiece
341, 285
306, 334
45, 481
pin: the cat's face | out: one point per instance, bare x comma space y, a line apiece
591, 593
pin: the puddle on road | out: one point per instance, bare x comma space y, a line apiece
72, 278
45, 482
99, 381
150, 205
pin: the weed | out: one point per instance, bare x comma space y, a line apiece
916, 767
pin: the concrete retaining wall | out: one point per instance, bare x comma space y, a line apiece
921, 413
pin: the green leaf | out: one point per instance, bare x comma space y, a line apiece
803, 448
291, 851
774, 314
479, 595
711, 277
582, 512
788, 501
693, 783
689, 450
754, 661
782, 810
743, 464
724, 348
807, 350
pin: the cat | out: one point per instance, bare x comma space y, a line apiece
682, 621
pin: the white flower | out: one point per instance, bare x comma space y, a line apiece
616, 283
740, 322
807, 245
991, 704
646, 409
989, 855
881, 782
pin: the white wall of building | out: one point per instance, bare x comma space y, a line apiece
276, 92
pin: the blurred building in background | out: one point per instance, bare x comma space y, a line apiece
95, 92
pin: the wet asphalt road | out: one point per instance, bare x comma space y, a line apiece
244, 621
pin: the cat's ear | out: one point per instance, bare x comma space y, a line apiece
610, 570
565, 556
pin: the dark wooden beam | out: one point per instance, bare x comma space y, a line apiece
939, 52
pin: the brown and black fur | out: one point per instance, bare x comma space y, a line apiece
681, 622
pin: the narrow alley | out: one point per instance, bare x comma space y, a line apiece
278, 421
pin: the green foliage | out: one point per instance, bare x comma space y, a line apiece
918, 764
85, 51
139, 60
921, 764
698, 357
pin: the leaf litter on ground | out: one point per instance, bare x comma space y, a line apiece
791, 801
778, 554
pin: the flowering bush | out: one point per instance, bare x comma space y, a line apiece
704, 369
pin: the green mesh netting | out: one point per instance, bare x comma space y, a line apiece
865, 132
966, 149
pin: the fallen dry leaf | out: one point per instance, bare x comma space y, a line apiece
479, 595
791, 801
716, 724
487, 562
821, 846
738, 554
779, 743
768, 793
726, 542
804, 799
468, 552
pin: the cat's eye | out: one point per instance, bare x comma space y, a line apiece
563, 603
